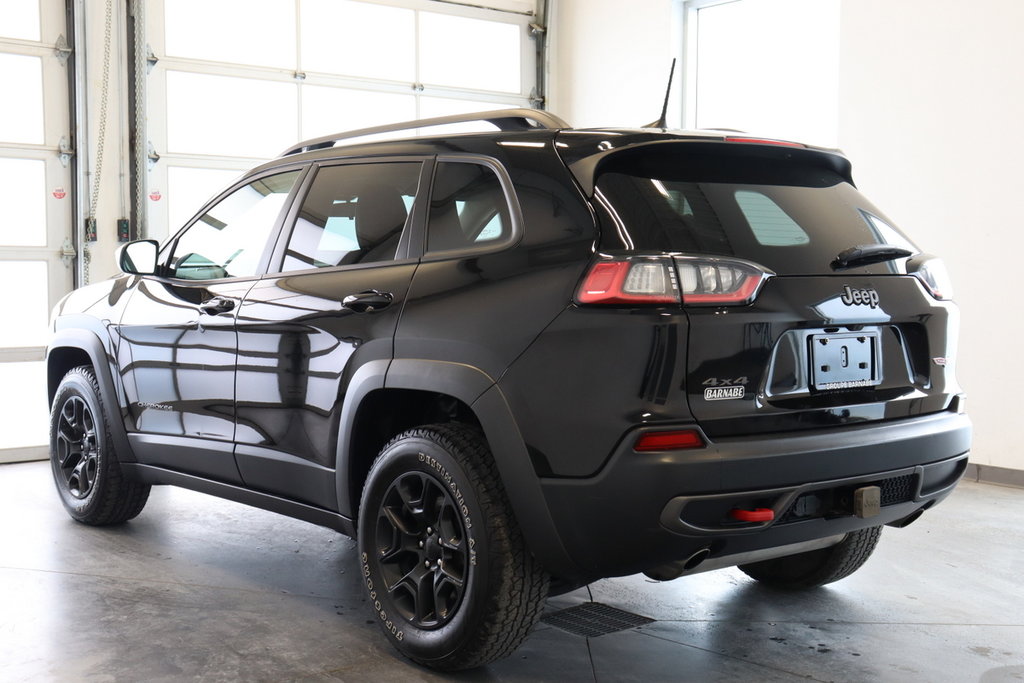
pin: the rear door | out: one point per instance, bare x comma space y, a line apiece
323, 322
782, 336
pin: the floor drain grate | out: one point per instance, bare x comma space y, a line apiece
592, 619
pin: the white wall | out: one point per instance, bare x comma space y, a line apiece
609, 61
930, 112
931, 108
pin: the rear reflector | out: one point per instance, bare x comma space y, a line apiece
755, 515
669, 441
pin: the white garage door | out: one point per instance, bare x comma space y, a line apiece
238, 81
35, 213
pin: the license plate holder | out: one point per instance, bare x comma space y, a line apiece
845, 361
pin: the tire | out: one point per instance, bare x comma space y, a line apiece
85, 467
444, 564
817, 567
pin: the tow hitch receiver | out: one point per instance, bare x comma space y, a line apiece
867, 501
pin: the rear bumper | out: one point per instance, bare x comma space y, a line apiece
643, 510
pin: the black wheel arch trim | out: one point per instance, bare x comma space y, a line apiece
87, 342
479, 391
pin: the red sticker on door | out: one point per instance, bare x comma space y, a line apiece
155, 195
59, 193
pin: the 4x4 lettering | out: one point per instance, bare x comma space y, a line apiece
721, 382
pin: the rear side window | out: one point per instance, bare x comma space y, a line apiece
467, 208
354, 213
789, 213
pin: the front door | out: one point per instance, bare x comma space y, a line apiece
178, 343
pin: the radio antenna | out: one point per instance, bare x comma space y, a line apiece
661, 123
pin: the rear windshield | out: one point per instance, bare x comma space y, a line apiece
791, 215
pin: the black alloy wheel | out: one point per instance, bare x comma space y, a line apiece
76, 450
85, 466
444, 563
423, 550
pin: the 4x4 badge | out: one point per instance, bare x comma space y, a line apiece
859, 297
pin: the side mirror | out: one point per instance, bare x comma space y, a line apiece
138, 257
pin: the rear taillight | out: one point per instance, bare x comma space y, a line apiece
709, 281
931, 271
630, 280
668, 279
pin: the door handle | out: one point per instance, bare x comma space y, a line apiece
367, 302
217, 305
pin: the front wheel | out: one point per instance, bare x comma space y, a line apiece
85, 466
817, 567
445, 566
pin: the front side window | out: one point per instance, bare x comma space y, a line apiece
467, 208
353, 213
230, 238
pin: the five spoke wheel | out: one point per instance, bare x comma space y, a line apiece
77, 451
422, 549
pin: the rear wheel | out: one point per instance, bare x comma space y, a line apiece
817, 567
444, 563
85, 467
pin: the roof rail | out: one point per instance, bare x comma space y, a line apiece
504, 119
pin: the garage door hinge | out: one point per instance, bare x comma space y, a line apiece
151, 155
65, 151
62, 50
67, 252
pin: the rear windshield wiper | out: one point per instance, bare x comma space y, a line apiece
866, 254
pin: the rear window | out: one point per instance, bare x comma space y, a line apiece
789, 214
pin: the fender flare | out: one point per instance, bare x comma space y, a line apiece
87, 342
481, 393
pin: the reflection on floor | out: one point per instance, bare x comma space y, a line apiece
203, 589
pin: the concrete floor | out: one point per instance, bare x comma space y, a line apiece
202, 589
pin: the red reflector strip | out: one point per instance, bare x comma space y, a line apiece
765, 141
755, 515
669, 441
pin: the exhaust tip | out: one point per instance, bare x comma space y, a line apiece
673, 570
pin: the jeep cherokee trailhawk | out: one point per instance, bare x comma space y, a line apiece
511, 363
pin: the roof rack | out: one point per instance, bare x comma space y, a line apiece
504, 119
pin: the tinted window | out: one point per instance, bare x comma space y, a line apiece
230, 238
352, 214
792, 216
467, 208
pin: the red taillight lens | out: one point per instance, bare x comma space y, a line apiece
669, 441
709, 281
698, 280
933, 275
630, 280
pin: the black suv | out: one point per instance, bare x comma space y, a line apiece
511, 363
